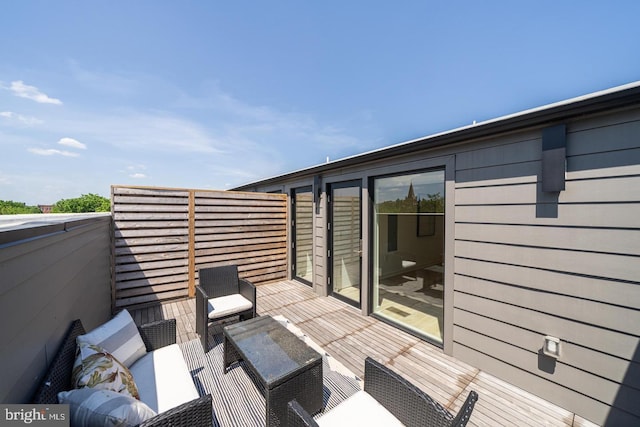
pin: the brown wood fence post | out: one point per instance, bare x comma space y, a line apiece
192, 243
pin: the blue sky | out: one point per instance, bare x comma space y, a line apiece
213, 94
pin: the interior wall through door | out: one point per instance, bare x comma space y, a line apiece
302, 234
345, 237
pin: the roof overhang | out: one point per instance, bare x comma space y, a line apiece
594, 103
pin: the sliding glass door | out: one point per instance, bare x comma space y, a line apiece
302, 234
408, 251
345, 238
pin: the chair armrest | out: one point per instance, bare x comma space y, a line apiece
203, 292
464, 413
298, 417
248, 290
202, 320
197, 412
410, 405
158, 334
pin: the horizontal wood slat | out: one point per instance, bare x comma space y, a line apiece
156, 252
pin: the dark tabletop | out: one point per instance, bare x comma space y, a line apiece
273, 350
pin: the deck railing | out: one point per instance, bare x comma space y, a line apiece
162, 236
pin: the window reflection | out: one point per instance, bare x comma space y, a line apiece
409, 271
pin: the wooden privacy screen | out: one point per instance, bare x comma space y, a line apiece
163, 236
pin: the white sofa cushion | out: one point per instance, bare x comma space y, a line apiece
227, 305
163, 379
360, 409
119, 336
96, 407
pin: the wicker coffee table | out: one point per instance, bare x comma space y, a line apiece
285, 366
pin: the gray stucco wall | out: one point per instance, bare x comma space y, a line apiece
49, 275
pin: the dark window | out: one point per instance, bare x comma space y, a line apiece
392, 233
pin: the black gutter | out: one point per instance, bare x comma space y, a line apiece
616, 98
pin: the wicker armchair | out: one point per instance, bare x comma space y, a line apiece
408, 404
222, 294
197, 412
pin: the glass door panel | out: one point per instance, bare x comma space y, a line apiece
303, 235
346, 243
408, 251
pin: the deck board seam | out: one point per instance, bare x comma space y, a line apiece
350, 337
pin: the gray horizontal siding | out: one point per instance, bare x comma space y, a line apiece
48, 281
530, 264
319, 246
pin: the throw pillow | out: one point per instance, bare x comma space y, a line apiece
94, 367
120, 337
94, 407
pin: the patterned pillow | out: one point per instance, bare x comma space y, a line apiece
92, 407
95, 368
120, 337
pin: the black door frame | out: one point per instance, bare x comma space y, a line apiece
294, 260
330, 188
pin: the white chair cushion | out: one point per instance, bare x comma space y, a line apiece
163, 379
119, 336
408, 264
227, 305
95, 407
360, 409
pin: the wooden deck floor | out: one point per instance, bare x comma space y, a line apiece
349, 336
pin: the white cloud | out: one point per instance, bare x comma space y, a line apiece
52, 152
29, 121
209, 139
31, 92
257, 124
41, 186
104, 82
135, 171
5, 179
73, 143
136, 167
223, 126
148, 131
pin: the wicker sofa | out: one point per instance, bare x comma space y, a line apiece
388, 400
156, 336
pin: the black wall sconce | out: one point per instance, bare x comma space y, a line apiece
554, 158
317, 191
